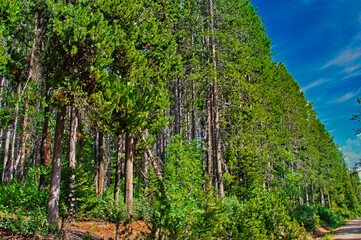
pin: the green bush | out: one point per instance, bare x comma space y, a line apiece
19, 196
29, 223
306, 216
329, 217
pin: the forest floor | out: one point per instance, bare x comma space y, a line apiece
95, 230
87, 230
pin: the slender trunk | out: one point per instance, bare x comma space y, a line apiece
204, 159
312, 194
176, 109
193, 112
307, 199
109, 161
128, 192
10, 174
54, 193
322, 197
45, 146
300, 199
118, 170
217, 146
145, 170
6, 154
193, 135
96, 160
209, 143
101, 164
329, 201
155, 164
25, 135
72, 162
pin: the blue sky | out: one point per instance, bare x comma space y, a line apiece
319, 41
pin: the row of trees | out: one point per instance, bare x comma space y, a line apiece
104, 85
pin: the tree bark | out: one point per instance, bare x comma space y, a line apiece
45, 146
11, 162
217, 145
109, 161
54, 193
118, 170
306, 193
209, 143
96, 160
128, 192
25, 135
312, 194
6, 154
322, 197
329, 201
101, 161
176, 109
72, 162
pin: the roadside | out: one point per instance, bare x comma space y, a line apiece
351, 230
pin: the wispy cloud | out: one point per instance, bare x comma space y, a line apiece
346, 97
352, 151
344, 58
315, 84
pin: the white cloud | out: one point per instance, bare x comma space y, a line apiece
346, 97
314, 84
352, 151
344, 58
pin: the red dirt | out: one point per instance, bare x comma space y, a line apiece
103, 230
320, 232
92, 229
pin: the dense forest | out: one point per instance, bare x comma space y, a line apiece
168, 112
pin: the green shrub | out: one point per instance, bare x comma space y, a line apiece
329, 217
306, 216
29, 223
19, 196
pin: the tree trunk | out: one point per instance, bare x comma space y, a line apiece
300, 199
96, 160
6, 154
21, 161
54, 193
209, 143
217, 145
329, 201
306, 193
45, 146
312, 194
193, 112
128, 192
101, 164
109, 161
118, 170
72, 162
322, 197
10, 173
176, 109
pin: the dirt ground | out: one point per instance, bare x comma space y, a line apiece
351, 230
88, 230
95, 230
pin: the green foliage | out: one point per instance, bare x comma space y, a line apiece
23, 207
263, 216
329, 217
85, 196
23, 197
30, 223
180, 198
307, 217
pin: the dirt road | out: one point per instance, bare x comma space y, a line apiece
351, 230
